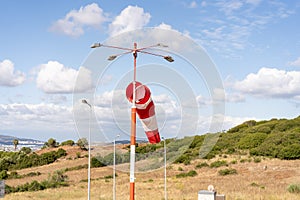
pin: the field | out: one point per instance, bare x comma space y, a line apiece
267, 179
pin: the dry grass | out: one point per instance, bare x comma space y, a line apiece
252, 182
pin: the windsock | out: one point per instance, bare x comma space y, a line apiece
145, 109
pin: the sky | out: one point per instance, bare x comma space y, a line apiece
251, 47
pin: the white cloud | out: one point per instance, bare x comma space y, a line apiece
270, 82
295, 62
193, 4
230, 29
75, 21
8, 75
131, 18
165, 26
54, 77
169, 27
35, 116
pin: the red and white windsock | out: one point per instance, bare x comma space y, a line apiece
145, 109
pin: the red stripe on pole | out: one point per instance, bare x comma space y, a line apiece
145, 109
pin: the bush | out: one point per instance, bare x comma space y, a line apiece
191, 173
186, 159
67, 143
58, 179
61, 152
95, 162
200, 165
51, 143
233, 162
26, 150
218, 163
180, 169
252, 140
294, 188
227, 171
290, 152
3, 175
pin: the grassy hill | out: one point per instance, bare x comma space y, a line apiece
254, 160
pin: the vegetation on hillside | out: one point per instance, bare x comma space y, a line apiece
10, 161
276, 138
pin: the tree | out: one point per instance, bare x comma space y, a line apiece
15, 142
52, 143
83, 143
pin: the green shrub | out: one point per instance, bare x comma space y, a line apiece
61, 152
227, 171
218, 163
95, 162
108, 177
191, 173
67, 143
186, 159
26, 150
257, 160
58, 179
233, 162
290, 152
3, 175
251, 140
200, 165
294, 188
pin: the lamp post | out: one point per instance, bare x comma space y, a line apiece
165, 168
114, 171
134, 52
89, 151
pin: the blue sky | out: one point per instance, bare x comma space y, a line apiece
254, 45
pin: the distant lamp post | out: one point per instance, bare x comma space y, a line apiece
165, 167
89, 146
114, 171
135, 50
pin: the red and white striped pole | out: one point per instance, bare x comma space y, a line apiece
133, 127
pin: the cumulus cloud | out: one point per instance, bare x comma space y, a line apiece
270, 82
54, 77
131, 18
295, 62
9, 76
27, 116
74, 23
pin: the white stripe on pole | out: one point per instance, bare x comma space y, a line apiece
132, 163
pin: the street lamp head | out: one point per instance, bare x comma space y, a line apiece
96, 45
110, 58
169, 58
162, 45
85, 102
